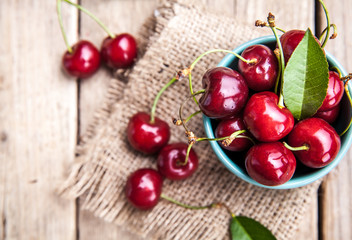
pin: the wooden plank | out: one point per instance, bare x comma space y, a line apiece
37, 121
119, 16
336, 200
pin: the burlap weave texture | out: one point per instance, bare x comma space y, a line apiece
174, 38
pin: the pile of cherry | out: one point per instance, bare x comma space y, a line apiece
250, 120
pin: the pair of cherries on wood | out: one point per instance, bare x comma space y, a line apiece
119, 52
270, 162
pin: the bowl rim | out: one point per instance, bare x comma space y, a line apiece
293, 182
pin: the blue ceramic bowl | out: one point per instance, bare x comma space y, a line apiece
303, 175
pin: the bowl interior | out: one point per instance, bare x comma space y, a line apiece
303, 175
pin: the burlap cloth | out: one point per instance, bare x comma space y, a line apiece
170, 41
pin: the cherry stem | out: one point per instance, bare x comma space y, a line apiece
347, 78
191, 67
304, 147
187, 153
58, 9
328, 24
213, 205
152, 112
232, 136
271, 20
277, 54
181, 107
260, 23
334, 35
92, 16
338, 71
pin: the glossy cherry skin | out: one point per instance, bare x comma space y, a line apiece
323, 142
289, 41
147, 137
170, 161
228, 126
265, 120
270, 164
119, 52
143, 188
226, 93
261, 75
330, 115
334, 92
83, 61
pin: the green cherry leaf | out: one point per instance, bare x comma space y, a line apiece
306, 78
244, 228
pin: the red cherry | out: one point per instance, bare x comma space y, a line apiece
143, 188
323, 142
265, 119
270, 164
330, 115
334, 92
83, 61
261, 75
227, 127
119, 52
289, 41
170, 161
147, 137
226, 93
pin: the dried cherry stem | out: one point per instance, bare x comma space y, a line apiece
333, 35
327, 24
156, 99
213, 205
301, 148
260, 23
182, 105
86, 11
58, 9
191, 67
347, 79
271, 21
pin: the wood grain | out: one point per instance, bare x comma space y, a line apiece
119, 16
336, 199
37, 121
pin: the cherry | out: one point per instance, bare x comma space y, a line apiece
145, 136
227, 127
270, 164
143, 188
289, 41
171, 158
265, 119
226, 93
261, 75
83, 61
322, 140
119, 52
334, 92
330, 115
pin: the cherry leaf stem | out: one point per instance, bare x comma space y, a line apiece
206, 53
58, 9
156, 99
332, 35
182, 105
281, 66
327, 24
86, 11
301, 148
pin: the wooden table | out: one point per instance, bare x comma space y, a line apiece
43, 112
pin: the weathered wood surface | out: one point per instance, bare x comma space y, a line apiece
43, 112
